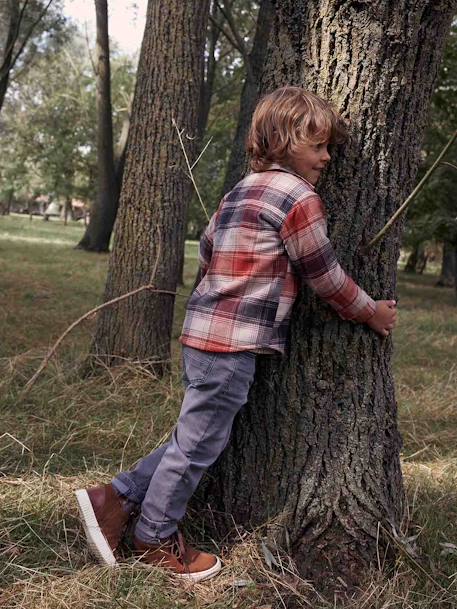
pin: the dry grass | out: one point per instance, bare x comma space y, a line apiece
68, 433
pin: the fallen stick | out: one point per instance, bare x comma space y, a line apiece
72, 326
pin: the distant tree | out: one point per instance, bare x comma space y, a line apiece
254, 61
149, 234
232, 28
47, 126
432, 215
103, 212
315, 453
448, 272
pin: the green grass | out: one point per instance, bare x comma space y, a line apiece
69, 432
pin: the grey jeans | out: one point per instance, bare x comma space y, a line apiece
217, 386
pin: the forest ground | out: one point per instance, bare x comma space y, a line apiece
70, 432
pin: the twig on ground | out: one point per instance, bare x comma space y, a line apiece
414, 561
72, 326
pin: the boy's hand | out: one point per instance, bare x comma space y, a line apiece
385, 317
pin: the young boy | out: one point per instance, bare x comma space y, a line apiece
268, 233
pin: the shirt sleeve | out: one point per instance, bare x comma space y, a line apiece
304, 233
206, 246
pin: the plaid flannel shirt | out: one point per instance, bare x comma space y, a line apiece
268, 232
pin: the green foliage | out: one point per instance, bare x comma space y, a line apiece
223, 116
48, 123
40, 33
434, 214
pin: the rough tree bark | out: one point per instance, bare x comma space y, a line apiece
249, 95
97, 235
149, 232
316, 450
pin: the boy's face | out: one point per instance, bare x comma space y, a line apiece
310, 161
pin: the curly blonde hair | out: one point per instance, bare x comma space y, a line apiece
286, 119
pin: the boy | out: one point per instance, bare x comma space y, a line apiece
268, 232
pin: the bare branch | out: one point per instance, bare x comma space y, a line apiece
29, 33
92, 63
447, 164
7, 62
412, 196
189, 167
226, 34
87, 315
241, 46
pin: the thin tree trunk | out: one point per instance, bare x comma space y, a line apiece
209, 72
249, 95
411, 262
448, 266
149, 238
455, 268
10, 201
316, 450
103, 213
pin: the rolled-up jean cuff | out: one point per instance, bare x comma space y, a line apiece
150, 532
125, 487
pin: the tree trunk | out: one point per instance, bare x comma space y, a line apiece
103, 213
149, 237
10, 201
448, 266
411, 262
417, 260
209, 72
316, 450
455, 268
249, 95
7, 55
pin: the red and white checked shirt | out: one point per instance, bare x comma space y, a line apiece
268, 232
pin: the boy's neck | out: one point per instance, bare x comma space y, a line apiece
287, 169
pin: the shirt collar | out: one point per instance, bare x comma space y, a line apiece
286, 169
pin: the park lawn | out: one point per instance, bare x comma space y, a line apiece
69, 432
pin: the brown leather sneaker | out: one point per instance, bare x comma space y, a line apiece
174, 554
104, 515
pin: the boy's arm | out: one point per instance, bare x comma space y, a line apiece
304, 233
205, 251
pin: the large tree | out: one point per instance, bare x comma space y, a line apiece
103, 212
316, 450
149, 233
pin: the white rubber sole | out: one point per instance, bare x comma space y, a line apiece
95, 538
202, 575
194, 577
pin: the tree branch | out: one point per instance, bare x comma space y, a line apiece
29, 33
7, 62
227, 12
226, 34
446, 164
410, 198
